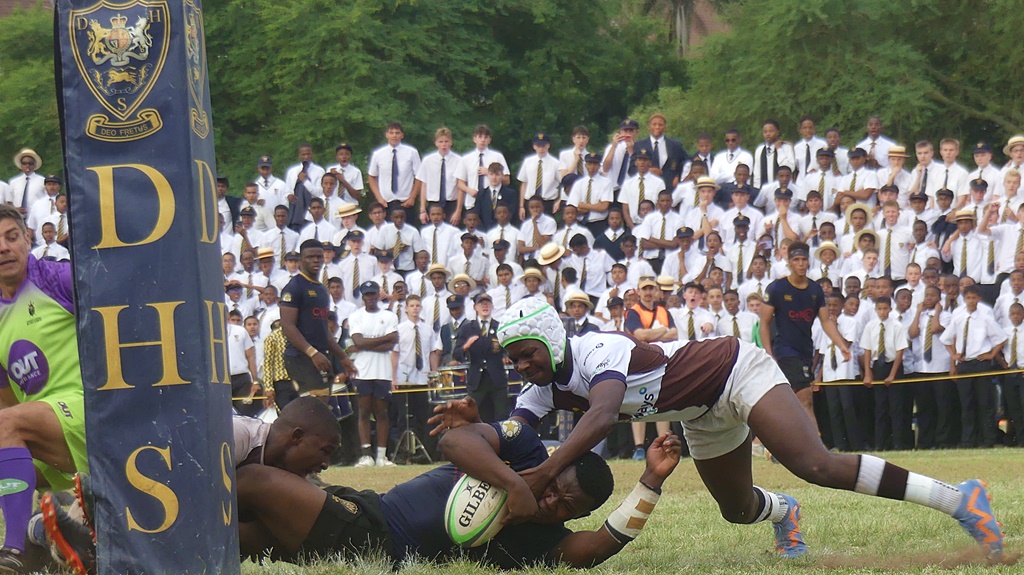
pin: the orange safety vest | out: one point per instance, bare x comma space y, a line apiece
647, 316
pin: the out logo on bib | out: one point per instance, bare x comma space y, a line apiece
27, 366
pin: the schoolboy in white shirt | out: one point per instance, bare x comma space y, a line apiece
884, 342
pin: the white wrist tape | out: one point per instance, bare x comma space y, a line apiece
626, 522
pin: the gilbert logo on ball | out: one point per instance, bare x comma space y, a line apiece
475, 512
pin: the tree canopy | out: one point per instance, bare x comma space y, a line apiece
928, 68
289, 71
284, 72
320, 71
28, 116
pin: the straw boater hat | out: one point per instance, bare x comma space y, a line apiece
1017, 140
27, 152
550, 253
866, 232
965, 214
265, 253
349, 209
827, 246
580, 297
667, 283
898, 152
438, 268
461, 278
533, 273
858, 206
706, 182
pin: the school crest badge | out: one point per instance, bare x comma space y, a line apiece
120, 50
195, 51
511, 428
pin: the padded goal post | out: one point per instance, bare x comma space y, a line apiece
135, 116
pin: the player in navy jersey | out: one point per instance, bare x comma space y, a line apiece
722, 389
284, 514
301, 521
304, 306
794, 302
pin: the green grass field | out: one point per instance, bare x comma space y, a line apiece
845, 532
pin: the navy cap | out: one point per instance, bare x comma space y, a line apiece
567, 181
890, 188
783, 194
642, 153
343, 146
330, 246
368, 287
825, 152
857, 153
592, 159
264, 161
292, 257
355, 236
629, 124
684, 232
481, 297
233, 285
577, 240
614, 301
247, 211
540, 138
981, 147
945, 192
468, 236
741, 220
52, 178
740, 190
919, 196
501, 245
979, 184
385, 256
455, 302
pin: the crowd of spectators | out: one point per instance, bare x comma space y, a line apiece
922, 267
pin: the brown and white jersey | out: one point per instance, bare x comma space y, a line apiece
664, 381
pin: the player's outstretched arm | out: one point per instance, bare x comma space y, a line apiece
454, 413
590, 548
474, 450
602, 415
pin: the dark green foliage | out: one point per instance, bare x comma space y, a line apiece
929, 68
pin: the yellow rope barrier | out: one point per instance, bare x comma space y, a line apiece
923, 379
845, 382
352, 393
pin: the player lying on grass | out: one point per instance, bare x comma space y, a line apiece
293, 520
42, 423
717, 388
300, 442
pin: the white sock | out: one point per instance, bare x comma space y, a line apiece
382, 453
933, 493
918, 488
869, 476
775, 508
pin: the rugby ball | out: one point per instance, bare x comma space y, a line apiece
474, 512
